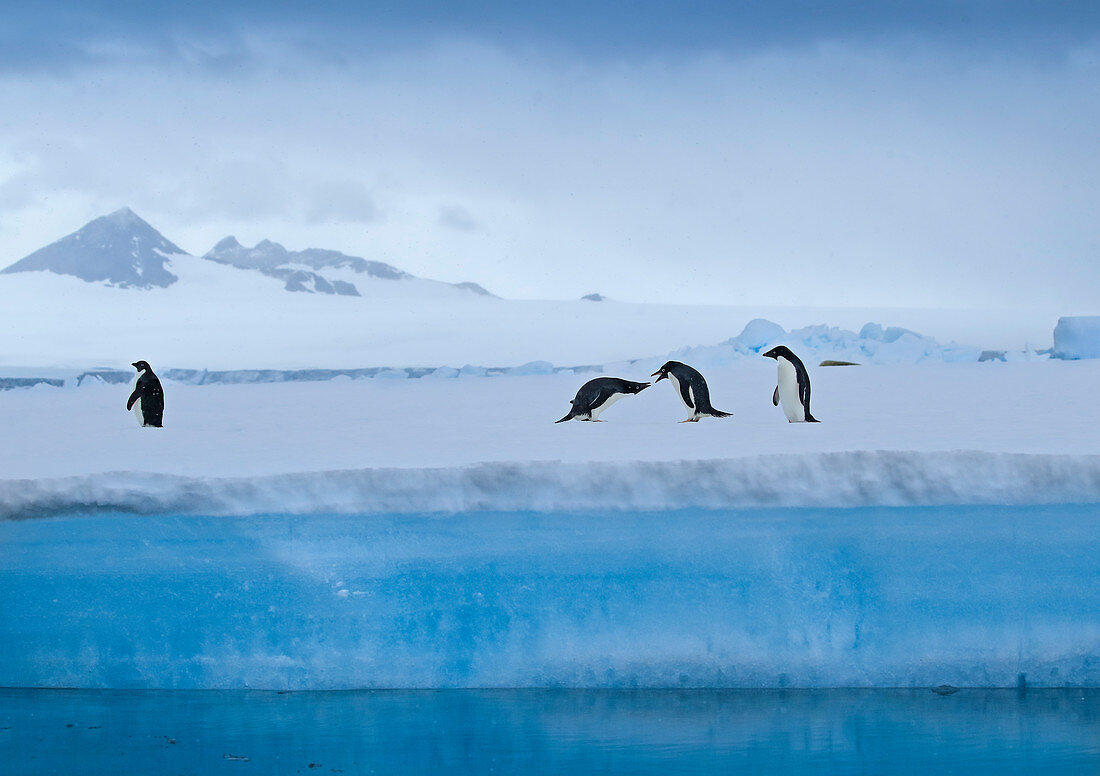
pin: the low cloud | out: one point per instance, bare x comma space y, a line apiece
340, 201
862, 175
457, 217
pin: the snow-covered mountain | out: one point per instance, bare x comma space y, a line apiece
117, 290
123, 250
120, 249
312, 270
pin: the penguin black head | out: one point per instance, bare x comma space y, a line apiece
777, 351
663, 371
142, 366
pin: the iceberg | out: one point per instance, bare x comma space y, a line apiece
1077, 337
873, 344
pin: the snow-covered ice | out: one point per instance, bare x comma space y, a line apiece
938, 526
917, 434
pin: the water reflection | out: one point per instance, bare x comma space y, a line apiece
535, 731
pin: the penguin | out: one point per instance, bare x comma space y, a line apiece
793, 387
692, 389
147, 400
597, 395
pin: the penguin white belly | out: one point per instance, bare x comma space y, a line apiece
137, 404
597, 410
788, 392
680, 394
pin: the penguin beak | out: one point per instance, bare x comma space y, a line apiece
659, 375
134, 365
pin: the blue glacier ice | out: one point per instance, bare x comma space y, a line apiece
986, 596
1077, 337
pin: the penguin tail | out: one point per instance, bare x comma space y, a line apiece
811, 419
716, 413
570, 416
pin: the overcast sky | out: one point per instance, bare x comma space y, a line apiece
823, 153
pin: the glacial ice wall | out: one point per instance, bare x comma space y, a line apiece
969, 596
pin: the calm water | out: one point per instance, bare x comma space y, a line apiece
560, 731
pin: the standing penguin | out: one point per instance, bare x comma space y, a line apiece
597, 395
147, 400
793, 387
692, 389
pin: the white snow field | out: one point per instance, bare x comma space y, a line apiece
223, 317
910, 434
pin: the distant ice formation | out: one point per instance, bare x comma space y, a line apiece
874, 344
1077, 337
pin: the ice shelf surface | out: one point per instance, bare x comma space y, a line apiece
873, 597
244, 431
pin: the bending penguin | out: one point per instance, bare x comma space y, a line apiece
147, 400
793, 388
692, 389
597, 395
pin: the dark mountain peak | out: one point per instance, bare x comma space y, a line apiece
226, 244
119, 248
268, 255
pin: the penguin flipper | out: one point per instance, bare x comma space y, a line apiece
133, 398
775, 397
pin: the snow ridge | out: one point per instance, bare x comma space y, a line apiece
842, 479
